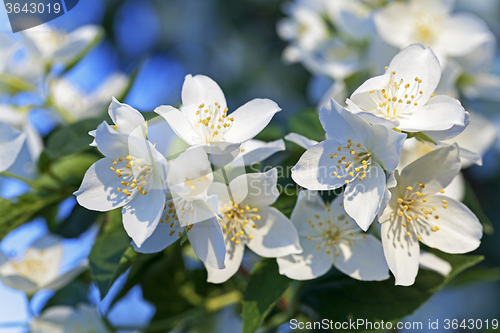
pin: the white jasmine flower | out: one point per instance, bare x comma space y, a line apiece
430, 23
190, 209
65, 319
352, 17
355, 154
203, 119
330, 237
300, 140
79, 105
39, 268
11, 143
50, 45
248, 220
403, 96
305, 29
132, 176
416, 212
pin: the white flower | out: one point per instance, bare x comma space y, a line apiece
417, 212
250, 152
330, 237
248, 220
11, 143
351, 17
50, 45
430, 23
65, 319
305, 29
189, 209
39, 268
132, 176
78, 104
403, 96
203, 119
355, 154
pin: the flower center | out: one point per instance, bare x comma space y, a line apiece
353, 160
397, 99
330, 234
213, 122
417, 213
29, 267
134, 172
427, 27
235, 220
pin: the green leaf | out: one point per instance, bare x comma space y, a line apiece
340, 298
71, 295
79, 220
265, 287
14, 213
111, 254
471, 201
307, 124
71, 169
71, 139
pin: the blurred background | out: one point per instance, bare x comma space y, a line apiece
235, 43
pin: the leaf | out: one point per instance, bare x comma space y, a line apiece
13, 85
265, 288
471, 201
23, 209
476, 274
71, 169
79, 220
307, 124
71, 295
342, 297
111, 254
71, 139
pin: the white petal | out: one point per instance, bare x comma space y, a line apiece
221, 148
208, 242
234, 256
309, 264
385, 144
443, 113
110, 142
250, 119
180, 124
142, 215
459, 229
125, 117
99, 188
456, 189
201, 89
435, 170
274, 235
434, 263
199, 211
19, 283
392, 24
79, 40
160, 238
315, 169
401, 251
463, 27
11, 142
66, 278
451, 132
363, 260
308, 204
362, 199
254, 151
342, 124
262, 190
417, 61
48, 250
300, 140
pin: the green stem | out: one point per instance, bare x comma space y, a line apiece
23, 179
